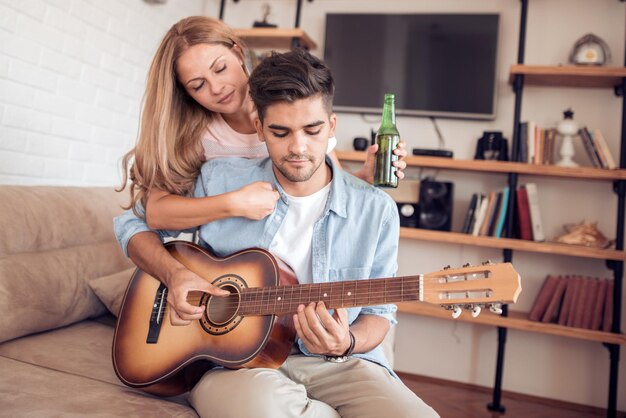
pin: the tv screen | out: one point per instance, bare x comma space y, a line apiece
440, 65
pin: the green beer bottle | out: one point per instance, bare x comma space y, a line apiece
387, 139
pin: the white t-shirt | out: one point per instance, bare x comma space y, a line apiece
220, 140
292, 242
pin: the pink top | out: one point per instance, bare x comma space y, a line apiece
220, 140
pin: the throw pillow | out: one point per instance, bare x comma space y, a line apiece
110, 289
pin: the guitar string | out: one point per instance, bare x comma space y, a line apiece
336, 300
271, 292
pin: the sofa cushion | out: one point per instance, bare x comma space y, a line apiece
110, 289
52, 241
82, 349
32, 391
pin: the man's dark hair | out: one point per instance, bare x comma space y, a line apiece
290, 76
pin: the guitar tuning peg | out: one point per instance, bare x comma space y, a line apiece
486, 263
476, 311
495, 309
466, 265
456, 312
446, 267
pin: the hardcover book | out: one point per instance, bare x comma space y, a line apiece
535, 212
523, 215
469, 216
607, 321
598, 305
543, 299
554, 306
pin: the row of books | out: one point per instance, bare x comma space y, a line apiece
575, 301
487, 213
537, 145
597, 149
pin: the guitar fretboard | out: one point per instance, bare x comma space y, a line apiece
280, 300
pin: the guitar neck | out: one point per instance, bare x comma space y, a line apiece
281, 300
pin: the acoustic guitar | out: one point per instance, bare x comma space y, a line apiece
253, 325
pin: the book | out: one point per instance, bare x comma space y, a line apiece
599, 139
480, 215
504, 208
579, 305
535, 213
484, 227
590, 300
598, 305
549, 145
493, 218
552, 311
532, 127
469, 216
523, 215
607, 320
589, 147
543, 299
567, 300
577, 286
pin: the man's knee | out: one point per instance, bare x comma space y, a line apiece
248, 393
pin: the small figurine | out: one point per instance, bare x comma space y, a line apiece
568, 129
584, 233
264, 23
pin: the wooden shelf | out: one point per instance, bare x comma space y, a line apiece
515, 320
569, 76
587, 173
513, 244
274, 38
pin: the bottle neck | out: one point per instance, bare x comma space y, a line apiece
388, 124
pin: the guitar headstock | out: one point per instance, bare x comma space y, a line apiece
473, 287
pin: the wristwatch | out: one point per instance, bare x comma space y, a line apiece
345, 356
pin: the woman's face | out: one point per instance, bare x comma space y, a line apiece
213, 75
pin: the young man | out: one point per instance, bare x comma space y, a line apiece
328, 226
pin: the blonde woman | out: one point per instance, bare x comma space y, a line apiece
196, 107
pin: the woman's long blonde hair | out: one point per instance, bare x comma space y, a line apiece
168, 153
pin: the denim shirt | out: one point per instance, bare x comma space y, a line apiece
355, 238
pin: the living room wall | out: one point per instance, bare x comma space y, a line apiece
71, 80
537, 364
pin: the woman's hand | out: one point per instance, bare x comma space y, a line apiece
254, 201
367, 171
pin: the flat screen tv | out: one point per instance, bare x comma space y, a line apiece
439, 65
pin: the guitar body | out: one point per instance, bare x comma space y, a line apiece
174, 361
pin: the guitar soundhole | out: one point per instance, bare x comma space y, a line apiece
222, 310
221, 313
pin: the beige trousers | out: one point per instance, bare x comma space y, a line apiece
307, 387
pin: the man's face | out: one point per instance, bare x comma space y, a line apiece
296, 135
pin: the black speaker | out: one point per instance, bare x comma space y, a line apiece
409, 214
435, 205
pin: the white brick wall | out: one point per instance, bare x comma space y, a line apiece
72, 76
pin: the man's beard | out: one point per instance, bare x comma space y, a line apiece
302, 174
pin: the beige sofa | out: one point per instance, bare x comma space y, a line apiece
62, 273
57, 249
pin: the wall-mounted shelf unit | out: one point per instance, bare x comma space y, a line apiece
554, 76
515, 320
568, 76
513, 244
275, 38
588, 173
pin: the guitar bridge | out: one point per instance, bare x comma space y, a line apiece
156, 316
